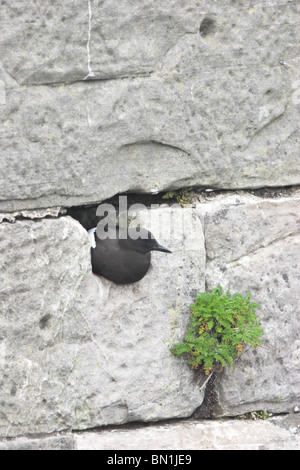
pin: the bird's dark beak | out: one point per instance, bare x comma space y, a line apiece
159, 247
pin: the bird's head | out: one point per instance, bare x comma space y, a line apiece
143, 241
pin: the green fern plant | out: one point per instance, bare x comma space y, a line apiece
220, 327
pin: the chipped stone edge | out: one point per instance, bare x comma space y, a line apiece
32, 214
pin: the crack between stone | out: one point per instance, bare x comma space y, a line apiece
73, 431
56, 212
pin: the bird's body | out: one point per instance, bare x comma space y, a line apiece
123, 261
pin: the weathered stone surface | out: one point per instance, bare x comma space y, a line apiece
193, 435
98, 98
31, 214
253, 245
60, 442
91, 38
165, 95
77, 351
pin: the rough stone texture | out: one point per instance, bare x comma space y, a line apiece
254, 245
63, 442
77, 351
98, 98
206, 435
31, 214
103, 97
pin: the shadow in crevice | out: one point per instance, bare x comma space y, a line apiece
207, 408
85, 215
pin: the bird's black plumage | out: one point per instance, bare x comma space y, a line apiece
123, 261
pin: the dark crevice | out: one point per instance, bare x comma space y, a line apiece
196, 416
86, 214
207, 408
128, 426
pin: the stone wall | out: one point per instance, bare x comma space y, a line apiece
100, 98
103, 98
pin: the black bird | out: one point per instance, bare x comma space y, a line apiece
123, 261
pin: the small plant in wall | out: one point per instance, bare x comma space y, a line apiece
221, 325
182, 196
